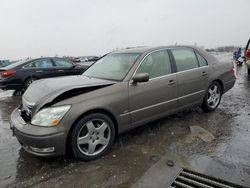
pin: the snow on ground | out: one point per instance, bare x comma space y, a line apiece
6, 93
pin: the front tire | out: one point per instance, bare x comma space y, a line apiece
92, 137
212, 98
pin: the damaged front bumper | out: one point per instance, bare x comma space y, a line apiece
40, 141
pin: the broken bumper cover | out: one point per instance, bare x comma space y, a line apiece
40, 141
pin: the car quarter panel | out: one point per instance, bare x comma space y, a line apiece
222, 71
219, 70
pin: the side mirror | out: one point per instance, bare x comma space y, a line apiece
140, 77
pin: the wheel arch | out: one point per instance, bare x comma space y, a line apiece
221, 84
28, 77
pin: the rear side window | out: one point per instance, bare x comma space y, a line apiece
156, 64
202, 60
30, 65
62, 63
185, 59
43, 63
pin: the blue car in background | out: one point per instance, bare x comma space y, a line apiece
4, 63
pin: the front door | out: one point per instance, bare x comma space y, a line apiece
157, 97
64, 67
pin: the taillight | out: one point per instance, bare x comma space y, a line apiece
248, 54
7, 73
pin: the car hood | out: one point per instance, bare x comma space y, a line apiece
45, 91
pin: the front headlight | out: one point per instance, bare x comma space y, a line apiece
50, 116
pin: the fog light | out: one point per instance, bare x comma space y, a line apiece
42, 150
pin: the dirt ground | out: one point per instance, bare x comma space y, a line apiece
222, 151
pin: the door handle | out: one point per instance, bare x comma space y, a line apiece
171, 82
60, 70
204, 73
39, 71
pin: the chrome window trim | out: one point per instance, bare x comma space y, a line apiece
159, 77
169, 57
191, 69
158, 104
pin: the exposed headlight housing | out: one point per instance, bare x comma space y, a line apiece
50, 116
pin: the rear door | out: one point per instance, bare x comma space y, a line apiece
157, 97
192, 76
41, 68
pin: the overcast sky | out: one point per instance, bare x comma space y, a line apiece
34, 28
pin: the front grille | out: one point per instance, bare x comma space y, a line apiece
190, 179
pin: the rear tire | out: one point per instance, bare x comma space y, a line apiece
248, 71
212, 98
92, 137
28, 82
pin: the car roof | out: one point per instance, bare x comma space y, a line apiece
148, 49
145, 49
23, 62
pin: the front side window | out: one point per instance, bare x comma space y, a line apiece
156, 64
62, 63
43, 63
185, 59
113, 66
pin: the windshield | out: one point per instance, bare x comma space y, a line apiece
113, 66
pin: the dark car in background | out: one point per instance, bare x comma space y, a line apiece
21, 74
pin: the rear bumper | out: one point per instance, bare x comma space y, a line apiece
229, 85
6, 85
44, 145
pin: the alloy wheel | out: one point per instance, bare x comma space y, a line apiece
93, 137
214, 95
